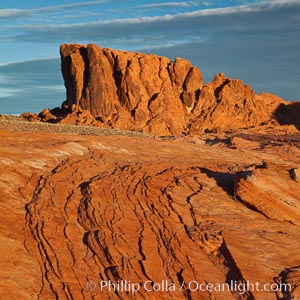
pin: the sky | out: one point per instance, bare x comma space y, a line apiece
256, 41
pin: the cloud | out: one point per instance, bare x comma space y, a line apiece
279, 3
266, 5
248, 20
9, 13
244, 21
30, 86
19, 64
6, 13
170, 4
68, 6
5, 92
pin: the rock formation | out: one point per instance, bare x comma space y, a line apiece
150, 93
130, 90
226, 104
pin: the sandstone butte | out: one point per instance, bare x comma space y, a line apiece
218, 205
150, 93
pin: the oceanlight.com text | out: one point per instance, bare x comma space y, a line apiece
193, 286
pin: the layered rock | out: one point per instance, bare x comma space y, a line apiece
273, 198
77, 210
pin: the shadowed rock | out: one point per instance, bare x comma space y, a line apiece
288, 114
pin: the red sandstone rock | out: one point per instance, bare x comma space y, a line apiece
129, 90
150, 93
226, 104
79, 117
78, 209
28, 116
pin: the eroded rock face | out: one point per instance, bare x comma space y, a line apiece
150, 93
227, 104
273, 198
86, 209
131, 90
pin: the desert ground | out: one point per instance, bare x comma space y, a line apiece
84, 206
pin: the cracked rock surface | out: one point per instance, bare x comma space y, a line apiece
78, 209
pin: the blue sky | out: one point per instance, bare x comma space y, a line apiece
257, 41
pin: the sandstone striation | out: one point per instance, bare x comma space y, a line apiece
77, 210
269, 184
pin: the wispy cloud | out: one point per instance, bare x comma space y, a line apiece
68, 6
171, 4
30, 86
276, 3
241, 9
246, 8
19, 63
8, 13
6, 93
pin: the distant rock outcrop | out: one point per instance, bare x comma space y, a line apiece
228, 104
150, 93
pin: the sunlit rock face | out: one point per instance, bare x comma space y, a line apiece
78, 211
130, 90
150, 93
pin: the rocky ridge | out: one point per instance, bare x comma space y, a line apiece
150, 93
